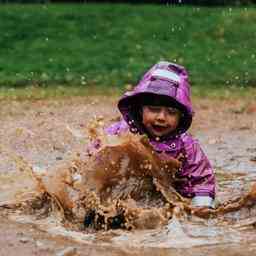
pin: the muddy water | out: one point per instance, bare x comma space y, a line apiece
38, 137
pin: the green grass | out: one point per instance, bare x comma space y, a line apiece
55, 91
111, 45
59, 92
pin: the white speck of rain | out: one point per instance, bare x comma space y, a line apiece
83, 82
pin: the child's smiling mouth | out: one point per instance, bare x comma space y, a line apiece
159, 128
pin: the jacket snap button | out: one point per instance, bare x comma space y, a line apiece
173, 145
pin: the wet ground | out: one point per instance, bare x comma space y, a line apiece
47, 132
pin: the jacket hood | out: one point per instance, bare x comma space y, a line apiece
169, 82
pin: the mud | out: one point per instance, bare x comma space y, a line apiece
122, 186
45, 139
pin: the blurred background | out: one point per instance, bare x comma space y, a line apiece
109, 44
201, 2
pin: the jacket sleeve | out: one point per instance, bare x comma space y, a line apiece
116, 128
200, 175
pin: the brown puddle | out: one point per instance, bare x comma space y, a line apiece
124, 191
123, 186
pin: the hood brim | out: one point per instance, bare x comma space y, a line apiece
130, 107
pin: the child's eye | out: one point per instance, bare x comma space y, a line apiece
172, 111
169, 110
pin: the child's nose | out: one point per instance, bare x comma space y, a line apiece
161, 114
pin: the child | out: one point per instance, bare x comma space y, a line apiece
160, 107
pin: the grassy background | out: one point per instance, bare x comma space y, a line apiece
112, 45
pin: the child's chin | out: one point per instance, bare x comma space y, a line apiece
159, 134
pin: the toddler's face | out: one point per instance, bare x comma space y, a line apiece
160, 120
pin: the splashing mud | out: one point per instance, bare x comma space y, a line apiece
122, 186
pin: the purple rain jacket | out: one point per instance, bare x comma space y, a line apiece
169, 82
